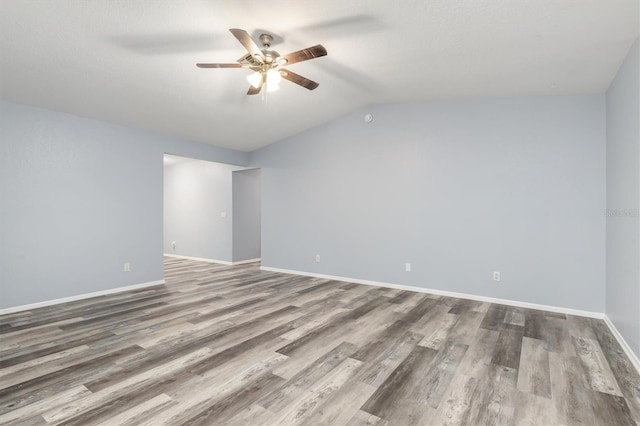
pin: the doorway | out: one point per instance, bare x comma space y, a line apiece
211, 211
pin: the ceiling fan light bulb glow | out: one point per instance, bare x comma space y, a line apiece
255, 79
271, 87
273, 77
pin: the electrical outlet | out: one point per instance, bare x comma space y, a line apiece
496, 275
407, 267
127, 267
173, 245
317, 258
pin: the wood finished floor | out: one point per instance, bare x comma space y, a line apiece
240, 346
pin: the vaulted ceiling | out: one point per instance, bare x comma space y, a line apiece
133, 62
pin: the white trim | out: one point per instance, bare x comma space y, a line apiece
528, 305
201, 259
625, 346
222, 262
241, 262
78, 297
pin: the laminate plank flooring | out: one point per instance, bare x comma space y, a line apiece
235, 345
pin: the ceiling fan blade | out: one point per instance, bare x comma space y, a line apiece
298, 79
245, 39
255, 90
220, 66
305, 54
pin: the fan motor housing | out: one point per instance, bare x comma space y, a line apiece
270, 55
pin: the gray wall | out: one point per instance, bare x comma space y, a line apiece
458, 189
246, 215
78, 198
195, 194
623, 200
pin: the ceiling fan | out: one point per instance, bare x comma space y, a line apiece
267, 64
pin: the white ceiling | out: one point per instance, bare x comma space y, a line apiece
133, 62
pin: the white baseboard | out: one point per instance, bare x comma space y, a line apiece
625, 346
222, 262
201, 259
528, 305
78, 297
241, 262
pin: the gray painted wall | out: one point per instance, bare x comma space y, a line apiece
458, 189
246, 214
195, 194
623, 200
78, 198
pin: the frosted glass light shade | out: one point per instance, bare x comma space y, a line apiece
273, 77
255, 79
273, 80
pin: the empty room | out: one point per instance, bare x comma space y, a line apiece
222, 212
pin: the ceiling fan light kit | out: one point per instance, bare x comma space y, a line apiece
272, 79
267, 64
